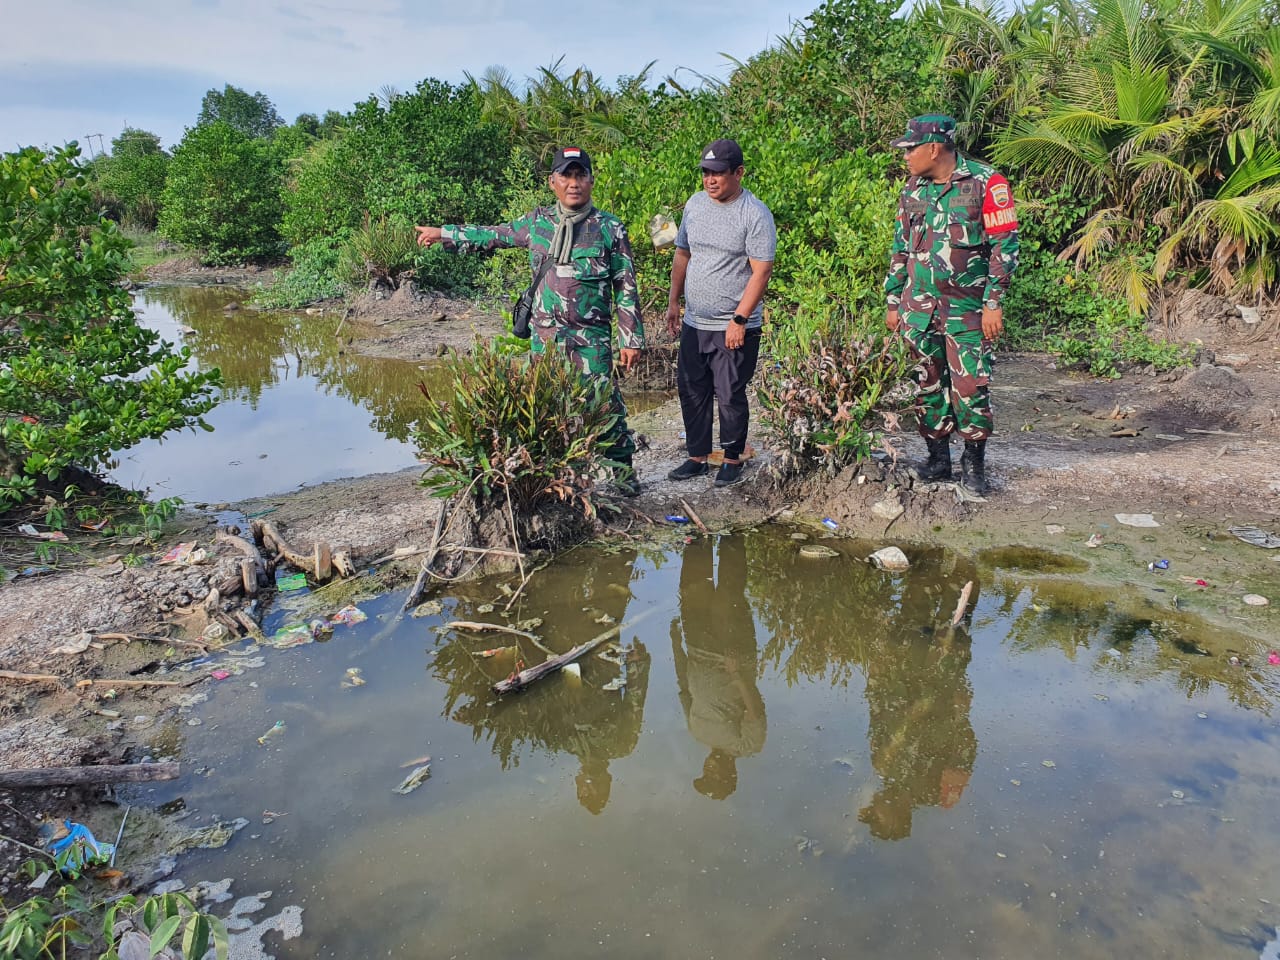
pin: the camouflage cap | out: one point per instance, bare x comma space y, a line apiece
930, 128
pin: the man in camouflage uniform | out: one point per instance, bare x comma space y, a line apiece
590, 278
955, 244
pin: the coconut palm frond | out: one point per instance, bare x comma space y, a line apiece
1055, 158
1129, 276
1262, 165
1099, 234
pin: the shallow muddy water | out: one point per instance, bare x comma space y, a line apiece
805, 760
297, 407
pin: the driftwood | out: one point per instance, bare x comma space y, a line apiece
964, 602
420, 584
133, 683
29, 677
494, 627
250, 552
693, 516
518, 681
249, 577
89, 775
315, 564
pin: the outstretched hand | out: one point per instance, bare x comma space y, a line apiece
428, 235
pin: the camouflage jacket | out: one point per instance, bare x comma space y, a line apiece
955, 245
582, 294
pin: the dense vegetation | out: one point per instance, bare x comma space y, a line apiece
79, 378
1141, 136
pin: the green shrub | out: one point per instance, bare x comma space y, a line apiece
79, 377
223, 195
312, 276
824, 394
134, 175
515, 424
383, 250
1117, 337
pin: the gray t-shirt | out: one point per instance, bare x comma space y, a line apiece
720, 237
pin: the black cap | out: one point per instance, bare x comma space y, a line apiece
721, 156
567, 156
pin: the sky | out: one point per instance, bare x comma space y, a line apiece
91, 67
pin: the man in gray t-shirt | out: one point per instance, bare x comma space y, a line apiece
724, 257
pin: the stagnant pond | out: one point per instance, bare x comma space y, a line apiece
298, 405
781, 757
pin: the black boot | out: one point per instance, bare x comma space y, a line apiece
973, 470
625, 480
938, 466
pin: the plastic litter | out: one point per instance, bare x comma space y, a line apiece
276, 729
1273, 658
352, 678
291, 581
27, 530
890, 558
1255, 600
1136, 520
416, 778
662, 231
178, 554
830, 524
1255, 536
74, 847
294, 635
220, 674
349, 614
1158, 565
1094, 541
676, 518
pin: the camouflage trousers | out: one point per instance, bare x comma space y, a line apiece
591, 351
952, 375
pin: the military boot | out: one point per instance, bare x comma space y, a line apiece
938, 466
973, 470
625, 480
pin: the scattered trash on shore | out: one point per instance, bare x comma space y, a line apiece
1136, 520
890, 558
1255, 536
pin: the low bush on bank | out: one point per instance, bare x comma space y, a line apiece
828, 395
527, 427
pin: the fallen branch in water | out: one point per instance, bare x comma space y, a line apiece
519, 680
964, 602
495, 627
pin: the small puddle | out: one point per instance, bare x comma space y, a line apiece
781, 757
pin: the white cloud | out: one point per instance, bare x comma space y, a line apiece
315, 56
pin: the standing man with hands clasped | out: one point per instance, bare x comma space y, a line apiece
589, 282
724, 257
955, 245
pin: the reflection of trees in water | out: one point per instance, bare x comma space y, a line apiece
818, 614
1122, 639
559, 714
255, 350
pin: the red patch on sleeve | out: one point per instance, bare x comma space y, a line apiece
998, 213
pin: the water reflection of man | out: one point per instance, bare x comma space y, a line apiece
565, 713
713, 642
918, 698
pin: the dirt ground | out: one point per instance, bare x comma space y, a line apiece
1197, 449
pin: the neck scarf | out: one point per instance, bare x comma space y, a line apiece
567, 219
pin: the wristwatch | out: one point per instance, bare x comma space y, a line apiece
739, 319
992, 304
